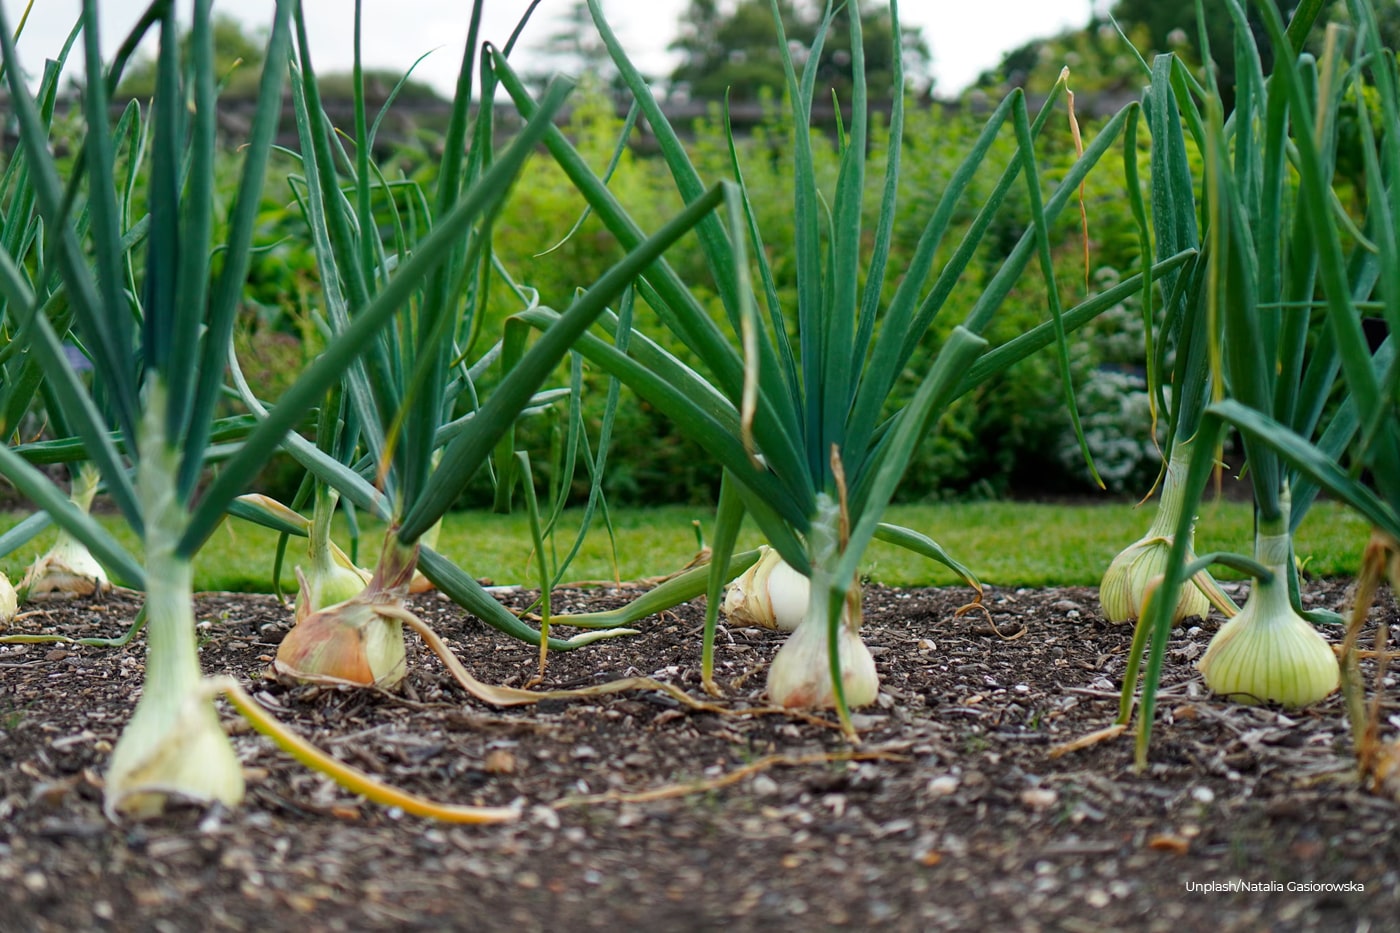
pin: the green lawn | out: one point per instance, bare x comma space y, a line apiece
1005, 543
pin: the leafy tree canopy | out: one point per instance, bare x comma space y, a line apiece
238, 61
1098, 59
1170, 24
734, 47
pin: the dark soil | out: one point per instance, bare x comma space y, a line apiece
960, 818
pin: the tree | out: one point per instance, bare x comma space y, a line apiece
576, 48
238, 60
1173, 23
877, 30
1169, 21
1099, 59
737, 50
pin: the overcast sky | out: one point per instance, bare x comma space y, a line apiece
965, 37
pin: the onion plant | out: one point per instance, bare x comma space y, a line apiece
1372, 379
405, 395
68, 567
1279, 236
153, 312
33, 409
797, 403
1183, 340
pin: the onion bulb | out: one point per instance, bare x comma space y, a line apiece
1269, 653
770, 594
9, 601
68, 569
349, 642
360, 640
800, 676
1133, 573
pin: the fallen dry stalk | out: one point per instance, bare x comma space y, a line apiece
349, 777
1096, 737
515, 696
672, 791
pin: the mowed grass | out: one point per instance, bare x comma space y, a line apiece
1005, 543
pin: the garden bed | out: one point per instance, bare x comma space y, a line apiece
955, 816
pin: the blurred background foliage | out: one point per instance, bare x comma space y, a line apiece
1012, 437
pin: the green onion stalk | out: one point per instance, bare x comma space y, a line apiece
327, 575
173, 744
374, 617
1357, 458
68, 567
1135, 572
1371, 377
330, 575
802, 425
397, 393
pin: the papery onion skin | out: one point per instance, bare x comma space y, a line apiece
68, 569
769, 594
9, 601
346, 643
1133, 572
354, 642
1131, 576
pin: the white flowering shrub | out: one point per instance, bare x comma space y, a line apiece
1117, 420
